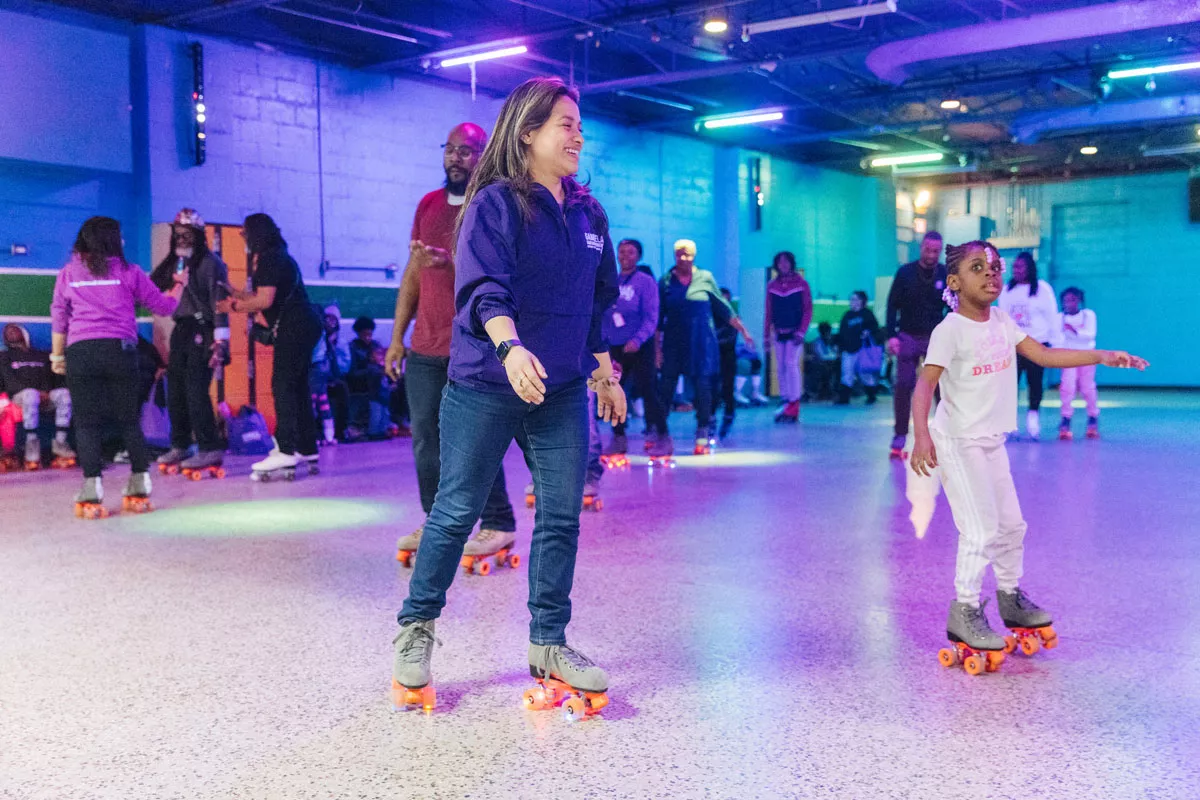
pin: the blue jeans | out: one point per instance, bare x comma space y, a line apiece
425, 381
476, 429
595, 468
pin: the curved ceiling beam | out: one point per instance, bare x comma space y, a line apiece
1030, 128
892, 62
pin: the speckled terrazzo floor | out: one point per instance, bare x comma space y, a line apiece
768, 619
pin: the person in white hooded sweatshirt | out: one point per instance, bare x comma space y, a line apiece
1034, 308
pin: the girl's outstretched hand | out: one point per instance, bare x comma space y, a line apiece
1123, 360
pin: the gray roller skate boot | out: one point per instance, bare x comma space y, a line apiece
568, 678
493, 544
64, 456
411, 676
136, 497
969, 625
33, 452
88, 501
206, 462
168, 462
564, 663
406, 547
1029, 623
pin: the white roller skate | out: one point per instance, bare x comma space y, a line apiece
33, 452
63, 457
136, 497
489, 543
275, 466
88, 503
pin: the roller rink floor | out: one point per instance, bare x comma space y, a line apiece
769, 622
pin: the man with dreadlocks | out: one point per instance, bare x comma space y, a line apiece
199, 342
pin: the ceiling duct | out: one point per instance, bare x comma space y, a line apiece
1032, 127
892, 62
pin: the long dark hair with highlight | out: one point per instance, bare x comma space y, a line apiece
505, 159
99, 240
1031, 275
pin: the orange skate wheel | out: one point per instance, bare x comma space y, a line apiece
194, 474
220, 472
530, 500
514, 560
947, 657
1049, 638
428, 698
1010, 644
574, 709
1030, 645
596, 702
483, 567
973, 665
534, 699
993, 661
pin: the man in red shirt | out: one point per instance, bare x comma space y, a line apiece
427, 292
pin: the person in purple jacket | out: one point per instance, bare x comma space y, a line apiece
535, 270
629, 328
94, 343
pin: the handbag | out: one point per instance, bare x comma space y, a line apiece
156, 422
870, 355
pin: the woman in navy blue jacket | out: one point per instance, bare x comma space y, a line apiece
535, 271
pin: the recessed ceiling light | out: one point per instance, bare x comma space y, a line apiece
1089, 150
715, 23
951, 105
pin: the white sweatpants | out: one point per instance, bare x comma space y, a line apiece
30, 403
979, 485
787, 361
1083, 381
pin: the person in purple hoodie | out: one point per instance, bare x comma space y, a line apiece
629, 328
94, 343
535, 270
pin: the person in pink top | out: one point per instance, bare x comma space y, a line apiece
94, 343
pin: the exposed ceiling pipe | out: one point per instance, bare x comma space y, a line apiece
399, 37
892, 62
220, 8
1030, 128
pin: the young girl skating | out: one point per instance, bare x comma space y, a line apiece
1077, 329
972, 356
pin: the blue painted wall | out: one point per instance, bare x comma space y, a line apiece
1127, 243
282, 129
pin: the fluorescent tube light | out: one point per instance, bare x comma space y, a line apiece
744, 119
485, 56
911, 158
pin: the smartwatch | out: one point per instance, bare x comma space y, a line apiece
504, 347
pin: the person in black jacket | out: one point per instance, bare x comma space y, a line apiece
914, 309
280, 295
858, 329
199, 343
26, 377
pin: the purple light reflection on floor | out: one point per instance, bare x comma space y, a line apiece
771, 631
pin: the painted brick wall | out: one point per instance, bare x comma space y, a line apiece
379, 153
1145, 298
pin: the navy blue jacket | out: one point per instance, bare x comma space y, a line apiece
554, 274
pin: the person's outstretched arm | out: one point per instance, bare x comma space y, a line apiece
1058, 358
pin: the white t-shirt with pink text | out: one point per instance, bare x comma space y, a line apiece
979, 377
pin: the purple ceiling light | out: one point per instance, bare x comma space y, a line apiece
892, 62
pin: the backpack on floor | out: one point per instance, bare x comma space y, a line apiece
248, 434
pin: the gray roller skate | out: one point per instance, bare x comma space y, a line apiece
615, 454
206, 462
568, 678
489, 543
591, 496
88, 501
662, 452
411, 675
406, 547
1030, 624
530, 495
136, 497
976, 646
170, 461
33, 452
63, 457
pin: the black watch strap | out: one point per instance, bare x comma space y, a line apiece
505, 346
